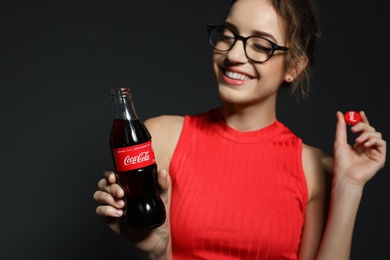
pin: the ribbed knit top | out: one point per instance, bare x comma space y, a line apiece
236, 195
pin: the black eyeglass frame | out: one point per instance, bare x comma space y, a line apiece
274, 46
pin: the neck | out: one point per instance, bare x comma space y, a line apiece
247, 118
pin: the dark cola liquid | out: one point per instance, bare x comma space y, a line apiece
143, 206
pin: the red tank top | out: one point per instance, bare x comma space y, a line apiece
236, 195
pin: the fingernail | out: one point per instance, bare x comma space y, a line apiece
120, 203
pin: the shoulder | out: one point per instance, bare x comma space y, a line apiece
165, 131
318, 168
314, 157
165, 123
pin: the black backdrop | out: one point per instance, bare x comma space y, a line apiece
58, 61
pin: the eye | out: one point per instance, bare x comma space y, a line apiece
226, 38
226, 35
261, 48
260, 45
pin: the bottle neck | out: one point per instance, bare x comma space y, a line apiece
123, 105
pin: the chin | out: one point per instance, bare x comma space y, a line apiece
230, 94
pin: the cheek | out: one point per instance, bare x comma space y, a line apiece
216, 57
272, 70
216, 60
270, 79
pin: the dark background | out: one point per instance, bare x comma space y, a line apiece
58, 61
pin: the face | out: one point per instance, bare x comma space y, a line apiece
241, 81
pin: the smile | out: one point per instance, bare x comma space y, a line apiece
236, 76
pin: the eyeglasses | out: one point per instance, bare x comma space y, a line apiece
257, 48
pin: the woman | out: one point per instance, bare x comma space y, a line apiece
240, 184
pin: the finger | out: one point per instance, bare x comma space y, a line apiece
366, 136
163, 179
341, 129
105, 198
110, 176
108, 211
376, 150
363, 117
113, 189
381, 148
363, 126
164, 182
375, 142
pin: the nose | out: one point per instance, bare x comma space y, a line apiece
237, 53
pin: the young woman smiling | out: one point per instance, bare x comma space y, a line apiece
236, 182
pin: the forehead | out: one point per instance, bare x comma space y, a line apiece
256, 15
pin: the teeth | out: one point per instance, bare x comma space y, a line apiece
235, 75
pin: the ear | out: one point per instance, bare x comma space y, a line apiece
295, 70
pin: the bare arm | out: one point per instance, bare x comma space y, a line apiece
165, 132
318, 168
156, 243
352, 168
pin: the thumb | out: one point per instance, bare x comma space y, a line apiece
164, 182
341, 129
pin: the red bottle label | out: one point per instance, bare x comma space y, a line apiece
134, 157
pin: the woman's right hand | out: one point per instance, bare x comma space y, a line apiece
155, 243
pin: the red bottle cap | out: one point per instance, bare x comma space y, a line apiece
352, 117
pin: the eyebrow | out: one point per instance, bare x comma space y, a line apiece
255, 32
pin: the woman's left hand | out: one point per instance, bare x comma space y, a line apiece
360, 162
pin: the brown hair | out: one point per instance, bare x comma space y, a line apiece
302, 31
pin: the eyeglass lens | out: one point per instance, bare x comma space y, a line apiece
256, 48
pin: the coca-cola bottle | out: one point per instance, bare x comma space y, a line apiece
135, 164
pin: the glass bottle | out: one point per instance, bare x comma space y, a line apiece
135, 164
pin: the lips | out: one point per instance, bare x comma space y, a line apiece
234, 77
